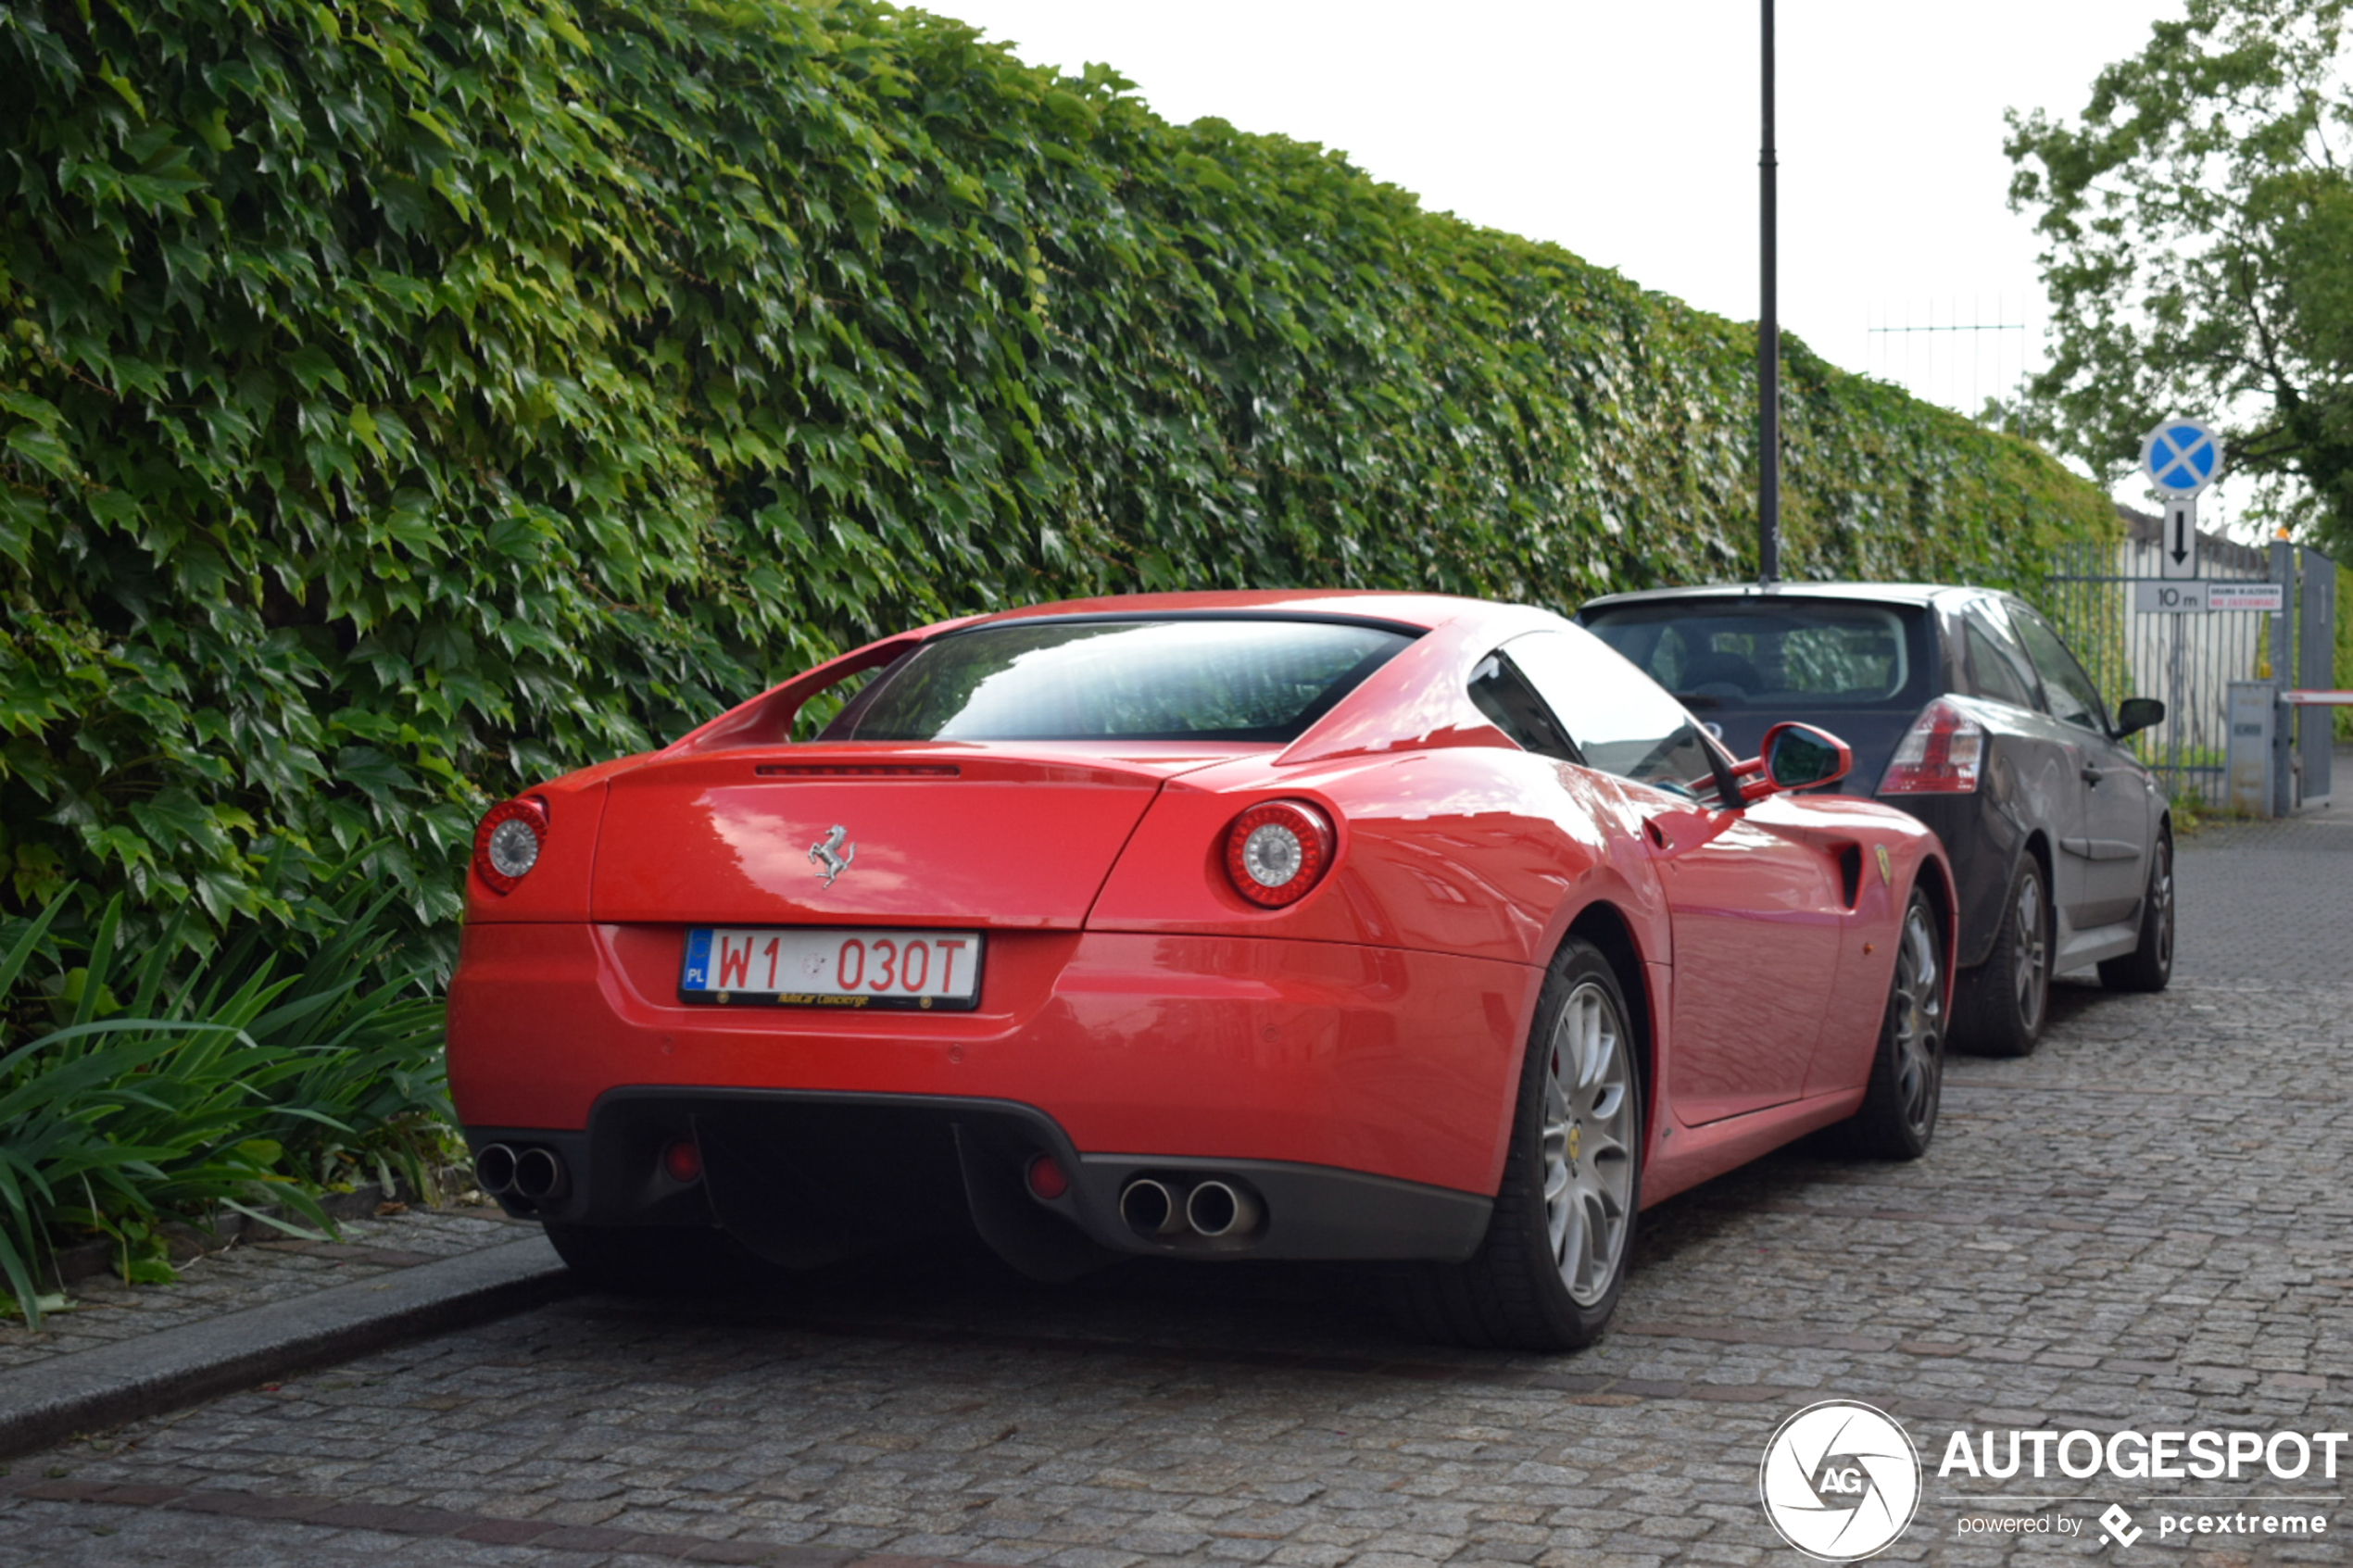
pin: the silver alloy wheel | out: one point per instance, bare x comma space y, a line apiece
1589, 1133
2162, 891
1918, 1008
2034, 952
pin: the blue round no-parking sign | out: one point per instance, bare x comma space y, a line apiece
2182, 457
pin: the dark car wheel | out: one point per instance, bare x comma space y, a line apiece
2149, 967
2003, 1002
652, 1260
1548, 1274
1898, 1117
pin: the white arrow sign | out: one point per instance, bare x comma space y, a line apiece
2178, 548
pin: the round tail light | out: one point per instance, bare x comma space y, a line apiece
1276, 852
508, 843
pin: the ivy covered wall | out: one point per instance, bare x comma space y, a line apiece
403, 399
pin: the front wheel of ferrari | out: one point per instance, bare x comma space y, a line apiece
1548, 1275
1898, 1115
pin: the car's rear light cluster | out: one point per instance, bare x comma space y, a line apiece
508, 843
1942, 754
1276, 852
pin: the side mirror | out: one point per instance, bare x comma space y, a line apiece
1801, 757
2138, 713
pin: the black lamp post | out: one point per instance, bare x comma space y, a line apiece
1769, 347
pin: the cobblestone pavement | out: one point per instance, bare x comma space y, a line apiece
2268, 901
252, 1273
2144, 1225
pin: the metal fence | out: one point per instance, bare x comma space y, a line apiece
2188, 660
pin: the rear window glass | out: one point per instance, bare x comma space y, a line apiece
1125, 680
1779, 654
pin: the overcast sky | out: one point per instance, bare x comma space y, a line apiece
1628, 133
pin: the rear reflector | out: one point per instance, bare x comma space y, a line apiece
1942, 753
682, 1161
1045, 1178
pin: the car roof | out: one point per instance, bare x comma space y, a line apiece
1881, 593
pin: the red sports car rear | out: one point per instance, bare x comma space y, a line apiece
1243, 925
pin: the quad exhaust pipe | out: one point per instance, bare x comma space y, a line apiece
495, 1169
531, 1175
1221, 1208
540, 1177
1152, 1208
1163, 1209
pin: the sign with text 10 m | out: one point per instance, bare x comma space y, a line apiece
2197, 597
2182, 457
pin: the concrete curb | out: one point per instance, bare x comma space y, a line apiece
88, 1260
50, 1401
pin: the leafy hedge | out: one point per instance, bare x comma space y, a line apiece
270, 1069
403, 398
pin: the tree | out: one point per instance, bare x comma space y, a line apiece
2198, 224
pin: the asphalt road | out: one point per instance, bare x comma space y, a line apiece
2144, 1226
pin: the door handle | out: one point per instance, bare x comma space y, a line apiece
2093, 775
1677, 832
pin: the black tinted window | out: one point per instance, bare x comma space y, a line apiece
1792, 655
1996, 664
1500, 691
2072, 695
1128, 680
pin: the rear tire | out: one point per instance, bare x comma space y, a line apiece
1898, 1116
1550, 1272
2149, 967
653, 1260
2004, 1002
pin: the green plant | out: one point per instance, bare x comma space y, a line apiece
232, 1087
2344, 661
402, 400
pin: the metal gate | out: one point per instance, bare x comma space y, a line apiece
2189, 659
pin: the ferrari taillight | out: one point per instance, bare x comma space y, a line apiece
508, 844
1942, 753
1276, 852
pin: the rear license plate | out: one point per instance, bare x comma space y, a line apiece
813, 966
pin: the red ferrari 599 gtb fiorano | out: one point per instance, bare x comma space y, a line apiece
1296, 926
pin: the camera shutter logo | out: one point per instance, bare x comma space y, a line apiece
1840, 1480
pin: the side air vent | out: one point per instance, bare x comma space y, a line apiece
1850, 872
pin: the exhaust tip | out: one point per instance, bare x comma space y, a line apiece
540, 1177
1151, 1208
1221, 1208
494, 1169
